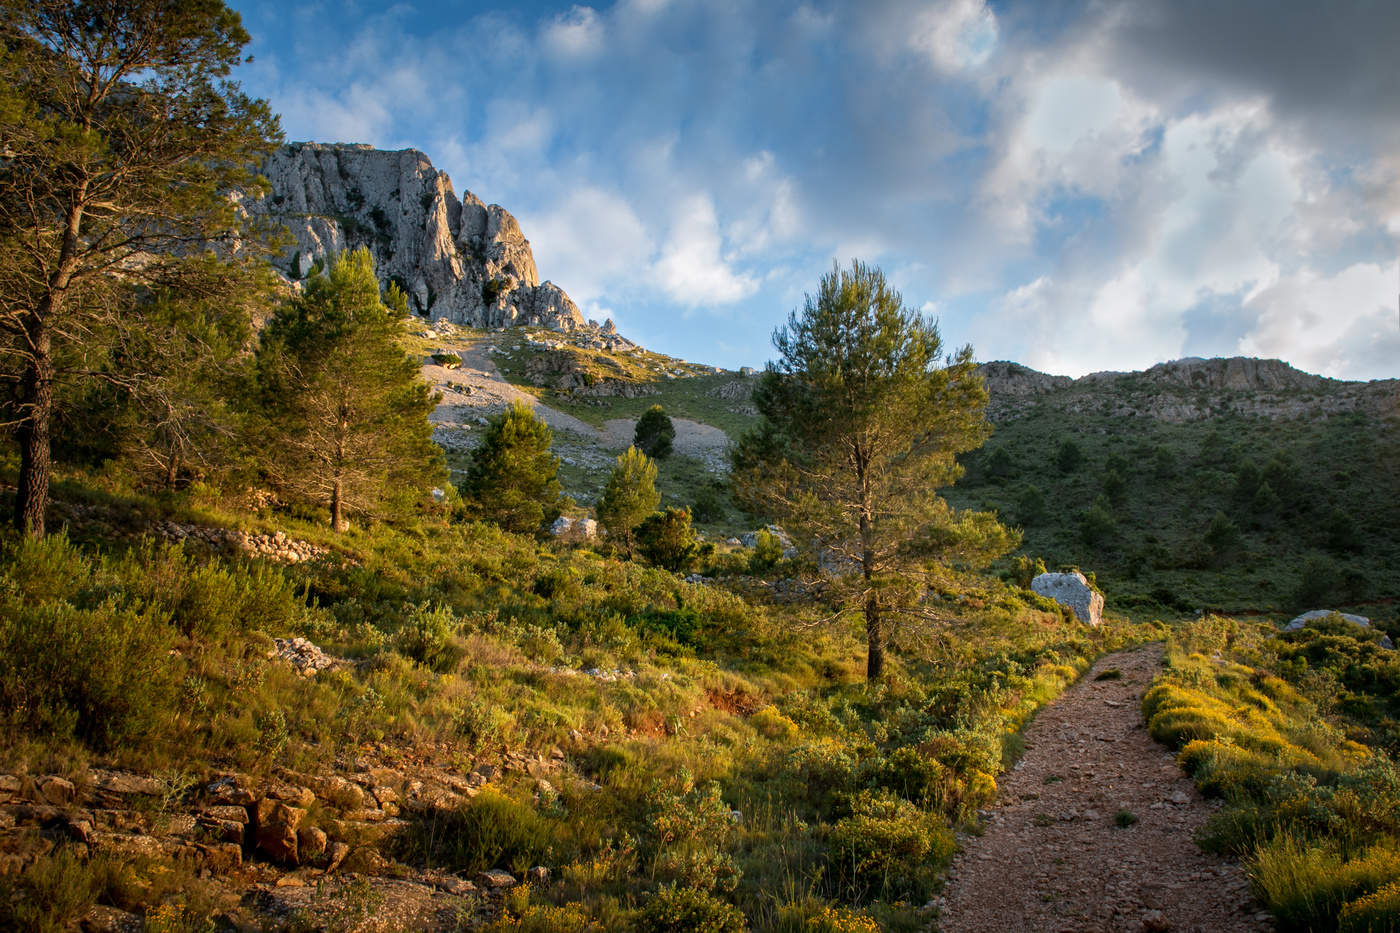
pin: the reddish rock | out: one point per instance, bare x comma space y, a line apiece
221, 858
311, 843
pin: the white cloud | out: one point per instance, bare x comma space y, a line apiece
691, 269
1343, 325
590, 242
577, 34
955, 35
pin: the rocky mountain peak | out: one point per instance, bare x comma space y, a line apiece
1187, 389
458, 259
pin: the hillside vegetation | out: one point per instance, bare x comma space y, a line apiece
1237, 513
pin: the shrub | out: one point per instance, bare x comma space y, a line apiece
1097, 526
75, 661
824, 918
654, 433
688, 910
447, 360
667, 540
767, 551
489, 831
1378, 912
890, 846
1068, 457
1222, 538
426, 637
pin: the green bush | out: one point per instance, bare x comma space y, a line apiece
74, 660
890, 847
667, 540
767, 551
688, 910
427, 638
654, 433
492, 830
1378, 912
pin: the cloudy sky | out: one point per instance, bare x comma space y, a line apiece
1073, 185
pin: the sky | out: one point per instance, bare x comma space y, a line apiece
1075, 186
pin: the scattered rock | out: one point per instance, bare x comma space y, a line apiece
495, 880
1071, 590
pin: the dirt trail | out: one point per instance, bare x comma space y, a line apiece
476, 388
1053, 857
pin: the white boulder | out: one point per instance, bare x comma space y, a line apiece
1072, 590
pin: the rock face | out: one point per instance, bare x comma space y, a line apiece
1072, 590
457, 259
1188, 389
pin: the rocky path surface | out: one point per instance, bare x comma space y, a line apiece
1054, 857
476, 389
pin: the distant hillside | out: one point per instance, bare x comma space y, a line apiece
1190, 389
1225, 483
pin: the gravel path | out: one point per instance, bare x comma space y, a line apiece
476, 389
1053, 858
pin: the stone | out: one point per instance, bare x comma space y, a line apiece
1154, 921
339, 792
335, 854
9, 787
275, 826
278, 841
495, 880
1299, 621
221, 858
1071, 590
232, 789
311, 843
56, 790
103, 919
226, 812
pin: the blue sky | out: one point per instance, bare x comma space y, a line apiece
1077, 186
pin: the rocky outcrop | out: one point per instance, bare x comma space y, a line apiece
1190, 389
456, 258
1071, 590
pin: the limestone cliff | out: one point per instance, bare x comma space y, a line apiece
457, 258
1188, 389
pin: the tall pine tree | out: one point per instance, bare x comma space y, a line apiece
346, 413
121, 137
862, 422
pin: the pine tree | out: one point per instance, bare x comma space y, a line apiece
667, 539
654, 433
629, 497
122, 136
862, 421
346, 413
513, 478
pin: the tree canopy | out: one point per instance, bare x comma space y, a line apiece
629, 497
654, 433
513, 478
346, 412
122, 137
862, 419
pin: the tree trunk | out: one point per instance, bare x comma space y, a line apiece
36, 390
874, 640
36, 401
874, 632
337, 523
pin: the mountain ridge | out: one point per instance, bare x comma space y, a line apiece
1188, 389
